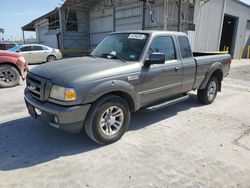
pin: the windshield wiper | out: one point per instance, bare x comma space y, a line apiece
115, 56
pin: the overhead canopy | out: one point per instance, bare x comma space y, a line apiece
86, 4
31, 26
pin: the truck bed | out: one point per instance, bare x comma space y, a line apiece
204, 62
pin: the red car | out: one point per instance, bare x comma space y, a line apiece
13, 67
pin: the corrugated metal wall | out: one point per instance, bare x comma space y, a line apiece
155, 21
208, 19
128, 15
75, 39
120, 15
100, 22
44, 36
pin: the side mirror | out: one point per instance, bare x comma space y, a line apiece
155, 58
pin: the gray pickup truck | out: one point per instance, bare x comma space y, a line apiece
126, 72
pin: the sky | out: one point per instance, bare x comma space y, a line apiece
16, 13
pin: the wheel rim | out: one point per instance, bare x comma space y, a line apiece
111, 120
51, 58
211, 91
7, 76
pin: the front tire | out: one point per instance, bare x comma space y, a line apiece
9, 76
108, 119
209, 93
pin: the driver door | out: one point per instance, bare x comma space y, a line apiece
161, 80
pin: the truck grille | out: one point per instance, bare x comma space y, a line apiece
38, 87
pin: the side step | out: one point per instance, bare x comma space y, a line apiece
167, 103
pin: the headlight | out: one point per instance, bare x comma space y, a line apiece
63, 94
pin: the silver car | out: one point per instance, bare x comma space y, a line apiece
36, 53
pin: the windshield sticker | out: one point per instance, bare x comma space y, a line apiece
137, 36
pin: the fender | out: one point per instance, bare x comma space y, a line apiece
113, 86
211, 70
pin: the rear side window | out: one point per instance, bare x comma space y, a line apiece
163, 45
37, 48
185, 47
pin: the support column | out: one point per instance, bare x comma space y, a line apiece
61, 28
23, 37
179, 15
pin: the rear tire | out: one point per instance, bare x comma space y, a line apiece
9, 76
209, 93
51, 58
108, 119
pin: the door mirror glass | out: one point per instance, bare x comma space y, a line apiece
155, 58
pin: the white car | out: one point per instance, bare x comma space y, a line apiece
36, 53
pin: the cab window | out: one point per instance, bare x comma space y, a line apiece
186, 51
164, 44
37, 48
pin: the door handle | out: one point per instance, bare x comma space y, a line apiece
178, 68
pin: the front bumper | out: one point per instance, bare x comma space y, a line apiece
70, 119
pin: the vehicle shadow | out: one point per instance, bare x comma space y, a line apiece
142, 119
28, 142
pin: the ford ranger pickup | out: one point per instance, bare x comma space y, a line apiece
126, 72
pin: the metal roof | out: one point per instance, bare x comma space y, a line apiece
84, 4
31, 26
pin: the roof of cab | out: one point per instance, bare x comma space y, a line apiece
153, 32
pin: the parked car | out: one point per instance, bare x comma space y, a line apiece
7, 46
35, 53
128, 71
13, 67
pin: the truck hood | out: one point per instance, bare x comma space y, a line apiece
8, 53
75, 71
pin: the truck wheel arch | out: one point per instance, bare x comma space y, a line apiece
215, 70
115, 87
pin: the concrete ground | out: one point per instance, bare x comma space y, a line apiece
185, 145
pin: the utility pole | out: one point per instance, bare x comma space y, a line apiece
179, 15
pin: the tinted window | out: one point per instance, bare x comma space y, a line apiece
185, 47
163, 45
37, 48
26, 48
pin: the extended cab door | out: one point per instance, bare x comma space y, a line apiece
188, 62
161, 80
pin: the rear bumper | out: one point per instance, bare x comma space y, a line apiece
70, 119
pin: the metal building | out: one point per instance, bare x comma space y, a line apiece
222, 25
79, 25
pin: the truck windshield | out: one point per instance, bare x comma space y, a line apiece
125, 46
